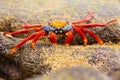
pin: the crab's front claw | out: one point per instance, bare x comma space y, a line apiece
31, 25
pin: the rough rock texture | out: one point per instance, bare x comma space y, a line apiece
26, 62
115, 74
105, 59
21, 65
46, 58
74, 73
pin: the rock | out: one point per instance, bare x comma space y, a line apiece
74, 73
115, 73
26, 62
20, 65
105, 59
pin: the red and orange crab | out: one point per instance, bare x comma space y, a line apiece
57, 28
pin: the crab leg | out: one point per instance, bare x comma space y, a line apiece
69, 38
22, 42
97, 38
40, 33
89, 17
22, 31
17, 32
80, 32
95, 24
53, 37
31, 25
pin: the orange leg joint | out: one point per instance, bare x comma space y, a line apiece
80, 32
21, 43
40, 33
97, 38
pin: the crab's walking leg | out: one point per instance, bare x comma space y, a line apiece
53, 37
31, 25
23, 31
40, 33
89, 17
69, 37
22, 42
80, 32
97, 38
17, 32
95, 24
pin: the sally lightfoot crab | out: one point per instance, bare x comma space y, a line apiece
59, 28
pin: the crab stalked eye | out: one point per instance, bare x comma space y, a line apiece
61, 31
56, 31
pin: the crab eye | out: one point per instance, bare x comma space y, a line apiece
60, 31
56, 31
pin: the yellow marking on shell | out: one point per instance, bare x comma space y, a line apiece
58, 24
